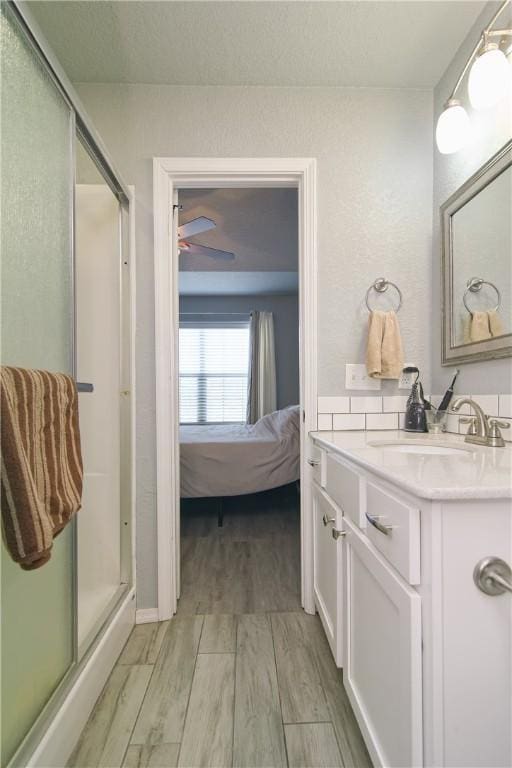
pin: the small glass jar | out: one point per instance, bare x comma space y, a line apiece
436, 421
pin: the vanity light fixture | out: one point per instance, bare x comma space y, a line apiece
453, 127
489, 78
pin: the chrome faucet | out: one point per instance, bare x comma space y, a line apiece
483, 430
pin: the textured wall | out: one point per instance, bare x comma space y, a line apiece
286, 331
374, 153
492, 129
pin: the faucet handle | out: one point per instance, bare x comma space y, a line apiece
497, 424
471, 420
495, 436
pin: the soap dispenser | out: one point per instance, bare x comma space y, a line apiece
415, 419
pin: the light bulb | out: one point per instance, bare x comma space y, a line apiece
488, 78
453, 128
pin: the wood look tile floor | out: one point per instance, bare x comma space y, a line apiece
241, 677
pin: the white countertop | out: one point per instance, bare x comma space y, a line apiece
480, 473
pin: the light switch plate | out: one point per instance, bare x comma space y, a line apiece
406, 380
356, 377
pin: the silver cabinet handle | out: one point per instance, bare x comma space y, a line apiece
493, 576
336, 533
313, 462
326, 520
385, 529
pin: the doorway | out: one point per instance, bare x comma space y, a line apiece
171, 174
239, 400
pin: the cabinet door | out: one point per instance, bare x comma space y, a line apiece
328, 571
382, 664
474, 631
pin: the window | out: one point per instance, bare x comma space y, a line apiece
214, 370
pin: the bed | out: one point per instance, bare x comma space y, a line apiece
219, 460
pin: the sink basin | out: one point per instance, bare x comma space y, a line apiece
406, 446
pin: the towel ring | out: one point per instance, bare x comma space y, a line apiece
381, 285
474, 285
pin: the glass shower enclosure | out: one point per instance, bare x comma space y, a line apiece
65, 306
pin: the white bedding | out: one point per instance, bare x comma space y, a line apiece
235, 459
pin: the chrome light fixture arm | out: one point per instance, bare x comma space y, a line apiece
488, 78
482, 41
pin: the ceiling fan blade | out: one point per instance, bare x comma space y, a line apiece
196, 226
192, 249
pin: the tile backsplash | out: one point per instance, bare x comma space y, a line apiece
372, 412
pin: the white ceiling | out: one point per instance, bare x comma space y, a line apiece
260, 226
363, 43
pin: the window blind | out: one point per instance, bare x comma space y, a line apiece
214, 369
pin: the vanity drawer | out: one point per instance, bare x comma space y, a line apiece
394, 528
316, 460
346, 487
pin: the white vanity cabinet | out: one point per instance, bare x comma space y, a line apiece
467, 635
426, 655
337, 495
382, 661
328, 568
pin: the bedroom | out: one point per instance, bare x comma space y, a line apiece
239, 395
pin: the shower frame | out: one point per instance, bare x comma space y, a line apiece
58, 725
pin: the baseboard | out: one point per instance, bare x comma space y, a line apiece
64, 731
146, 615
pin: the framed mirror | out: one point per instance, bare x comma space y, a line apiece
476, 224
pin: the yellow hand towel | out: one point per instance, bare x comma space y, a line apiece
479, 330
466, 330
374, 344
384, 353
495, 324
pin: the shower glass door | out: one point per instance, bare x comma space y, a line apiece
65, 306
37, 628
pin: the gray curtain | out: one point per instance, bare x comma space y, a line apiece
262, 397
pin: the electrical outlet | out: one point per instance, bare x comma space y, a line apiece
406, 380
356, 377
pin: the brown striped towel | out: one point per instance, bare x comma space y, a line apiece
41, 473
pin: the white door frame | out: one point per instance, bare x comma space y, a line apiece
170, 174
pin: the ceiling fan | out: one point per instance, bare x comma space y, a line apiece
196, 227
